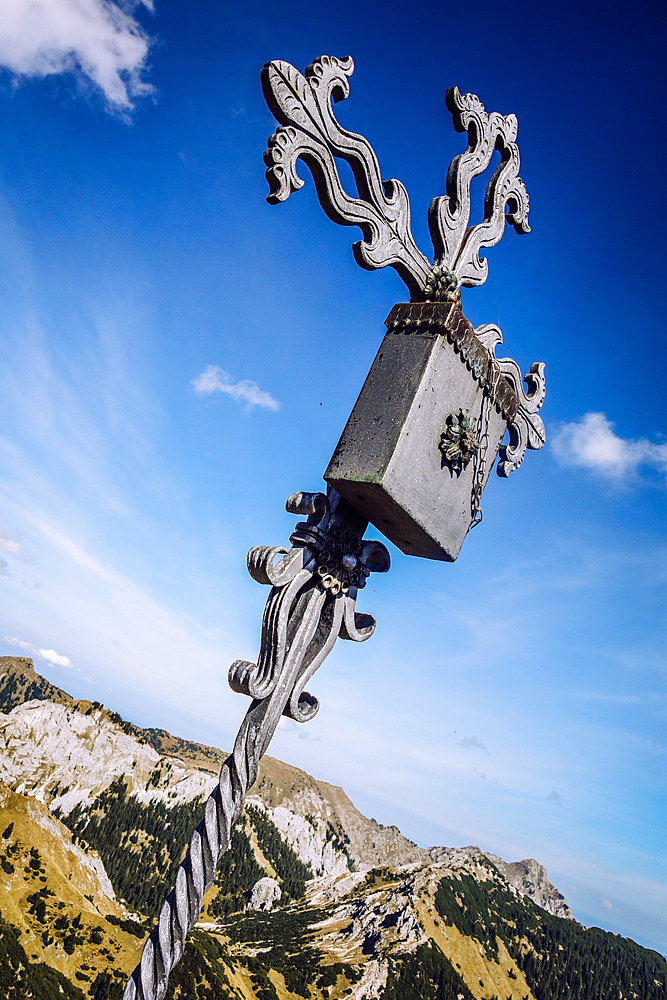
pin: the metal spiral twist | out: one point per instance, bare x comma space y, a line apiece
181, 909
304, 616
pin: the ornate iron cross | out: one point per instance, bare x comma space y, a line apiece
414, 456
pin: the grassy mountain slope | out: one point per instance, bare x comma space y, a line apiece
20, 682
386, 920
57, 896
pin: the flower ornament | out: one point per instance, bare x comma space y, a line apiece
442, 285
458, 443
340, 563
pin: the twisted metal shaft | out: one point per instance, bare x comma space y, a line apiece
181, 909
310, 605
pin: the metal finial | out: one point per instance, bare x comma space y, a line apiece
309, 130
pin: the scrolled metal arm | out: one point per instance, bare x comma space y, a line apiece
309, 131
312, 602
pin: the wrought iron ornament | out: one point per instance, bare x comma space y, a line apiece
309, 130
432, 353
312, 602
458, 442
302, 104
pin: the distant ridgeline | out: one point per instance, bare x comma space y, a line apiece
312, 900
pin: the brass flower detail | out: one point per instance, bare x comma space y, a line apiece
458, 442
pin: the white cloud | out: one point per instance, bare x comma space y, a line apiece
18, 642
50, 655
55, 659
9, 545
215, 380
287, 725
592, 443
96, 40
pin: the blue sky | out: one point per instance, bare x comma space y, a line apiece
514, 700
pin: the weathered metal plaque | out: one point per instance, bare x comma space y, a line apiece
424, 434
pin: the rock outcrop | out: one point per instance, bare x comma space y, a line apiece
264, 894
20, 682
531, 879
62, 757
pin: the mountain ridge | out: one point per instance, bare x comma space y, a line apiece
317, 819
311, 900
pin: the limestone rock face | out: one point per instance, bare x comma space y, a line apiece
62, 757
319, 819
264, 894
531, 879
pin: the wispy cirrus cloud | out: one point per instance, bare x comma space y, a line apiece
593, 444
50, 655
214, 379
99, 41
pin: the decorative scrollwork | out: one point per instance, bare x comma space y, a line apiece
525, 428
302, 105
304, 616
456, 244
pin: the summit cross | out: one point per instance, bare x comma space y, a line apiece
414, 456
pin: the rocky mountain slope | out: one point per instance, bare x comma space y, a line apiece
312, 899
317, 819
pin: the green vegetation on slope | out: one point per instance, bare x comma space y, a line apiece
291, 871
236, 875
560, 959
288, 939
200, 974
140, 845
426, 974
19, 978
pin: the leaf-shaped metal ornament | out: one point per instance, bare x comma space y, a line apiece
456, 244
302, 103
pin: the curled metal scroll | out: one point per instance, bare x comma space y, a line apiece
456, 244
312, 601
525, 428
302, 105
